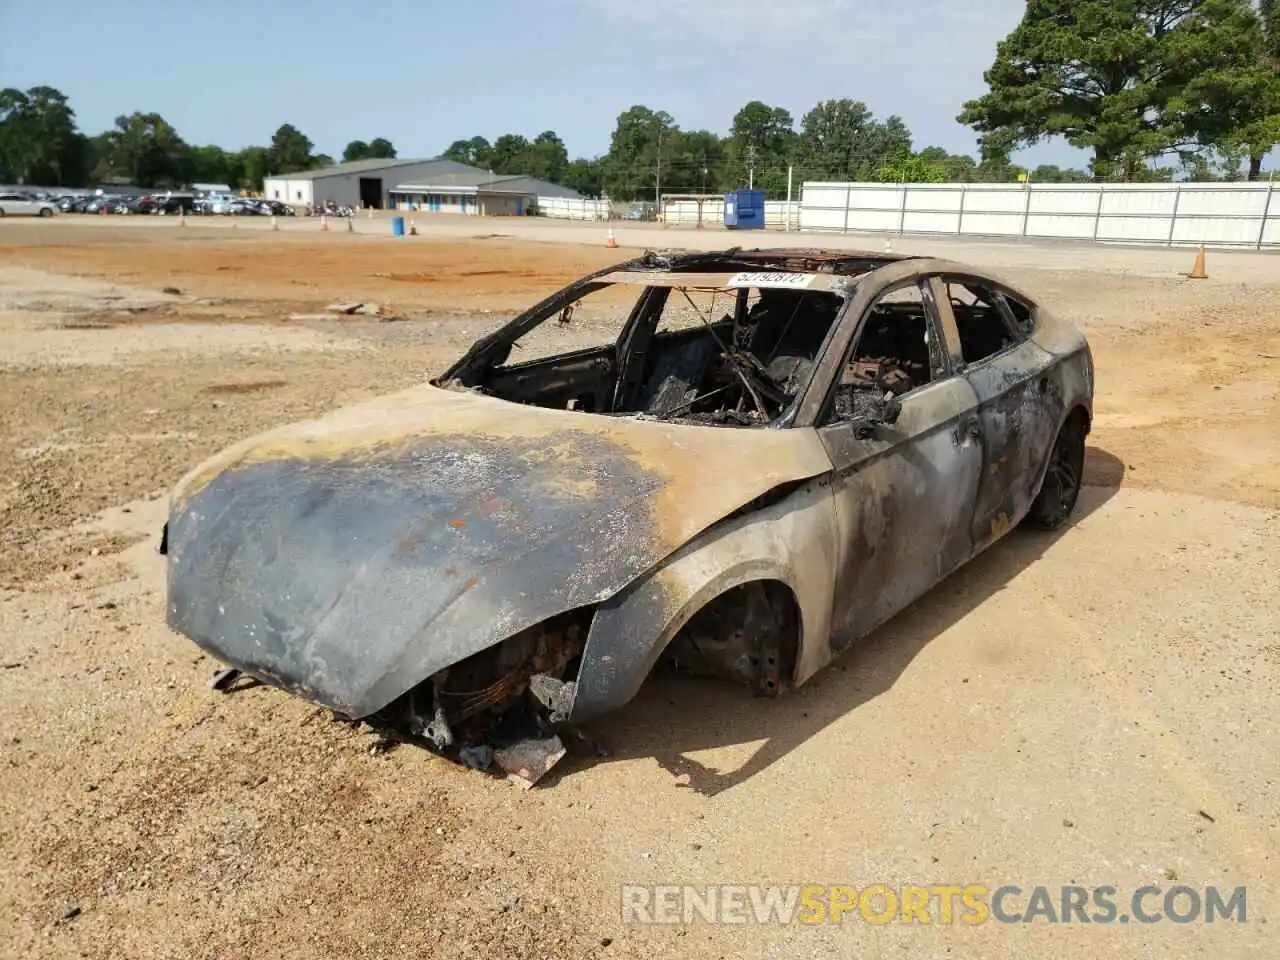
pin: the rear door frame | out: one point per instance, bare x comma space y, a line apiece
904, 497
1013, 387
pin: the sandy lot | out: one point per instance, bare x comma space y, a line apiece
1094, 707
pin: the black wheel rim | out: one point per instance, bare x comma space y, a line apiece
1063, 476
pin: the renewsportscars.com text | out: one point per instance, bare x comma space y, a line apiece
932, 904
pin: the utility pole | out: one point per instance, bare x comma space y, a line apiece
751, 166
789, 169
704, 173
657, 178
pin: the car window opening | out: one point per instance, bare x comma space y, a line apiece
892, 356
689, 353
984, 329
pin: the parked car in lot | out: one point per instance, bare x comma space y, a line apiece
25, 205
741, 492
247, 207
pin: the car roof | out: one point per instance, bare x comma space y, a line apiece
836, 268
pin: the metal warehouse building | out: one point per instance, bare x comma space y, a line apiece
477, 192
360, 183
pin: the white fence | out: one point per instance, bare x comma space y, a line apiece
685, 213
1221, 214
676, 212
566, 208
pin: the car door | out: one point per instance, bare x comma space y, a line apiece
904, 492
1010, 376
14, 205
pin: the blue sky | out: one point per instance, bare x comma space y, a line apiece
425, 74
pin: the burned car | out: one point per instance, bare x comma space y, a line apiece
772, 453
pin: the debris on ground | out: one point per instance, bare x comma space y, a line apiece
69, 911
478, 757
528, 761
347, 308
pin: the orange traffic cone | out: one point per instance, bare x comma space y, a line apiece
1198, 271
611, 243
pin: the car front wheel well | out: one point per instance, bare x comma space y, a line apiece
1078, 418
749, 634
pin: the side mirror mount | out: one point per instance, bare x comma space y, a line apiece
877, 410
891, 409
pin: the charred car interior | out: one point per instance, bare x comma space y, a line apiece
739, 360
506, 518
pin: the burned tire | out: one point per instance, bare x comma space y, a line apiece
1062, 478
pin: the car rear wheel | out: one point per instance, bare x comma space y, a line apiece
46, 212
1062, 479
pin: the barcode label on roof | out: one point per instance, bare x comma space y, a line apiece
792, 281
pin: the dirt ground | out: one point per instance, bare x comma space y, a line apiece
1094, 707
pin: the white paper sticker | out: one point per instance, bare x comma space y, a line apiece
793, 281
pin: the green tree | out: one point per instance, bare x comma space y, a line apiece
913, 169
290, 150
211, 164
759, 147
1233, 105
147, 150
39, 142
640, 141
476, 152
841, 140
694, 161
256, 164
585, 176
960, 167
380, 148
546, 157
510, 152
1110, 76
1052, 173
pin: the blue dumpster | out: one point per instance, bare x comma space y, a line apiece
397, 226
744, 210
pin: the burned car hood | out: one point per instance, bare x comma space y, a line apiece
349, 558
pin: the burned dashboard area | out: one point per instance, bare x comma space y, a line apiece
718, 339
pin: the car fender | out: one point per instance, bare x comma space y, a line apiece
793, 540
